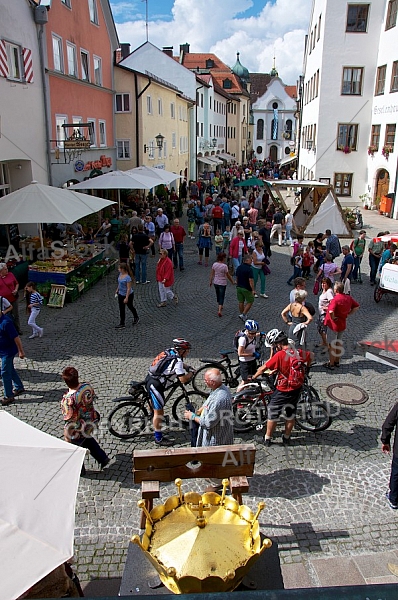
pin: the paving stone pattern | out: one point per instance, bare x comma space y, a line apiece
324, 494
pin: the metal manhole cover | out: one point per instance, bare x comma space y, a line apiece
347, 393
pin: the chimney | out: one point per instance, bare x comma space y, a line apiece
125, 50
118, 56
168, 50
184, 48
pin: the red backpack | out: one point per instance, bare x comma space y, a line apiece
297, 370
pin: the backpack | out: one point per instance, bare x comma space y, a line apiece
161, 362
352, 246
240, 333
297, 370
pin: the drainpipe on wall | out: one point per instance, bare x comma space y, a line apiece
196, 135
46, 101
137, 97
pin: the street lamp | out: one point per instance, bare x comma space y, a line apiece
159, 144
214, 142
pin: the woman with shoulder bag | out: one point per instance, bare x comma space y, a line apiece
204, 242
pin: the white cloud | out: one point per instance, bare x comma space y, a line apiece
224, 30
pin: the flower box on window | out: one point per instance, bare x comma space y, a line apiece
372, 150
345, 149
386, 151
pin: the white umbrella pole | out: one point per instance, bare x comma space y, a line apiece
41, 241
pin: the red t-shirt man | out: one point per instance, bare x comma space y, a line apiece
178, 232
281, 362
340, 307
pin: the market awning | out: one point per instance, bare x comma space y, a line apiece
205, 160
287, 161
226, 156
215, 160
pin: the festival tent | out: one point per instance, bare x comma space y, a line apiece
39, 480
313, 218
160, 175
318, 208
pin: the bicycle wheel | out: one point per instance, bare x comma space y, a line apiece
198, 380
378, 293
195, 399
312, 413
246, 414
127, 420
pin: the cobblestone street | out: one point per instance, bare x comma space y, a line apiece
324, 494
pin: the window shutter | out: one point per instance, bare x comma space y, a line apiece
3, 59
28, 64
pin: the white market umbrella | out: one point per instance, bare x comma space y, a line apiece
39, 477
39, 203
117, 180
161, 175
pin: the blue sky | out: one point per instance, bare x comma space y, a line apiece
255, 28
124, 10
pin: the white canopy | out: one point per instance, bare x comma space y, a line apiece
226, 156
117, 180
39, 477
205, 160
39, 203
328, 215
160, 175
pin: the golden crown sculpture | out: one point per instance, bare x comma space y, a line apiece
201, 542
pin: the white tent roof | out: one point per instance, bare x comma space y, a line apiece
205, 160
39, 477
328, 217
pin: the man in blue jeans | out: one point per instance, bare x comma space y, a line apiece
10, 345
141, 243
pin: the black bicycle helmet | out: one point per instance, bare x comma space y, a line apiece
181, 344
281, 338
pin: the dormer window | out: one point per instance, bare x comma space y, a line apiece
209, 63
227, 84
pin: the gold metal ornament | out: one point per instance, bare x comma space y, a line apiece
201, 543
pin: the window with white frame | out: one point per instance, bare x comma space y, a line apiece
151, 149
59, 130
102, 132
173, 140
85, 65
93, 132
58, 54
72, 59
149, 105
76, 121
123, 149
14, 61
97, 70
172, 110
352, 81
93, 9
160, 106
122, 103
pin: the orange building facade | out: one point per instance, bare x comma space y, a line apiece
80, 43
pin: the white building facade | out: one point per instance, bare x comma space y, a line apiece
382, 150
340, 64
274, 122
22, 125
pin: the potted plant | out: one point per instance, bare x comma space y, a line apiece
386, 151
366, 200
372, 150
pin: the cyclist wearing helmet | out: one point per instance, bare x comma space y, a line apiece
247, 352
286, 395
158, 380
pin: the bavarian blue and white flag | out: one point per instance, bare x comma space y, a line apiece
275, 125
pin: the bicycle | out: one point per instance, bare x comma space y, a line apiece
135, 412
230, 371
250, 406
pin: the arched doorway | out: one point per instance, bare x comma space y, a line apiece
382, 185
273, 153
